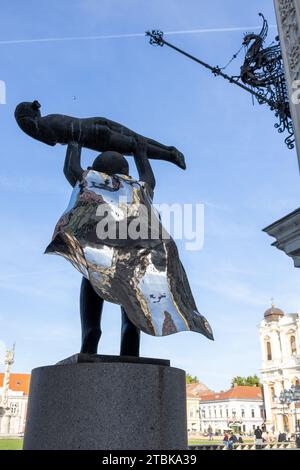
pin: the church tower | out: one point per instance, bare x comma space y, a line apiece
280, 346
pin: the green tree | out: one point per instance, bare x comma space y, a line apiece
238, 380
250, 381
191, 380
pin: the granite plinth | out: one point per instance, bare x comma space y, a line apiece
107, 405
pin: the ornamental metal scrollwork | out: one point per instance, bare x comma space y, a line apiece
262, 73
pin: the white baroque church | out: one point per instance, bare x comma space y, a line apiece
280, 345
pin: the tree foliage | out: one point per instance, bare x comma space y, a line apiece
250, 381
191, 380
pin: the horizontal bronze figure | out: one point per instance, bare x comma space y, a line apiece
95, 133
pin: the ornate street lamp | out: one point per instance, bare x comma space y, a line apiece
261, 75
201, 416
287, 397
295, 397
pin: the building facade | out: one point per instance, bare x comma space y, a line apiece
14, 391
240, 409
280, 341
286, 230
194, 392
288, 22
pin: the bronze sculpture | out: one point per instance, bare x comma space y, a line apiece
141, 272
97, 133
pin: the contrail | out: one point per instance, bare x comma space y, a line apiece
218, 30
133, 35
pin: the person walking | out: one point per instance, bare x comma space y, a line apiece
226, 440
258, 438
232, 440
265, 437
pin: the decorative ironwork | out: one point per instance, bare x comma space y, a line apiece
261, 75
287, 397
263, 71
156, 37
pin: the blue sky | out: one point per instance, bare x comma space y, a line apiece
238, 166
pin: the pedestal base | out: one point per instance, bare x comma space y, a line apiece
107, 406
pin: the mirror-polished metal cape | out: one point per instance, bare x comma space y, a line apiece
142, 272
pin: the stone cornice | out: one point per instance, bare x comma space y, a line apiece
286, 231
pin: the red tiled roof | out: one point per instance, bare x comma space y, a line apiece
197, 390
17, 382
239, 392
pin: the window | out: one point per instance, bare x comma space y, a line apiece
243, 413
253, 413
234, 413
227, 413
293, 345
215, 413
191, 413
269, 351
209, 412
14, 408
221, 413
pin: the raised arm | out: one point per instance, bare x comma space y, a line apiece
72, 168
143, 165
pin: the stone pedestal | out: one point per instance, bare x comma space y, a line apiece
5, 424
107, 403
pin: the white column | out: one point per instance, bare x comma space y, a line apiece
263, 333
5, 424
284, 343
288, 20
298, 334
275, 343
268, 404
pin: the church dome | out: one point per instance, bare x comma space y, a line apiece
273, 314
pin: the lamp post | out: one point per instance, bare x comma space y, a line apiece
295, 394
287, 397
285, 400
201, 413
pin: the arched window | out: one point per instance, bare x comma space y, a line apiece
293, 345
268, 349
14, 408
